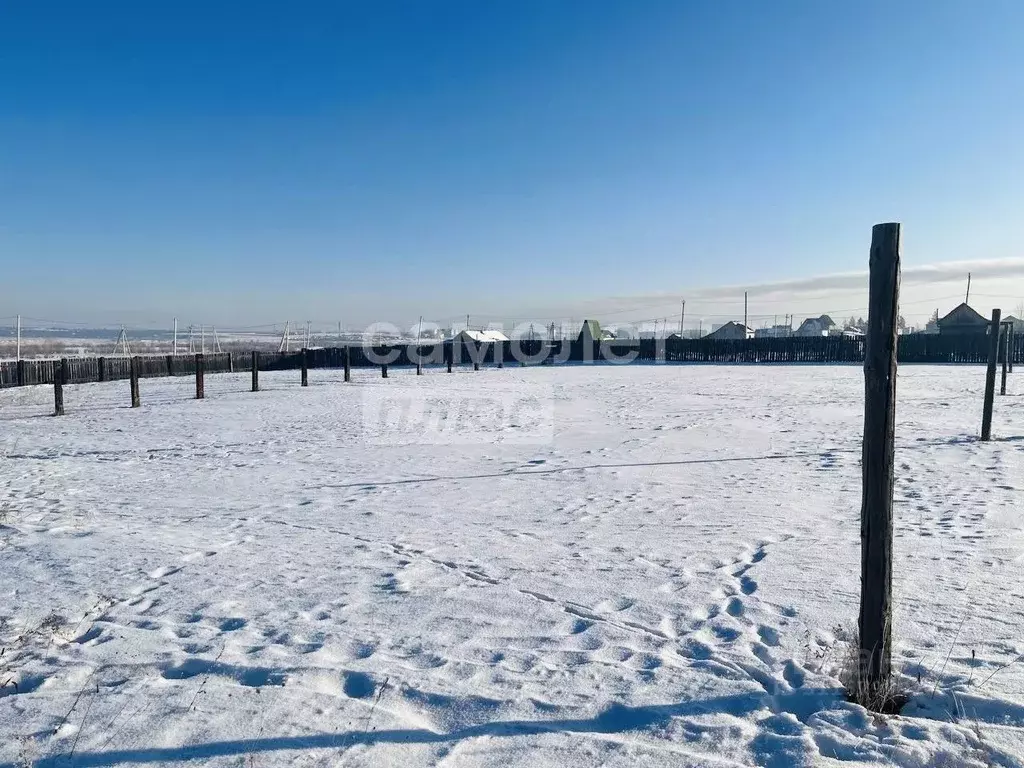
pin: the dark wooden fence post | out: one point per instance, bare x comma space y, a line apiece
255, 371
133, 379
990, 376
874, 624
305, 367
449, 353
383, 370
1011, 348
231, 363
1004, 349
170, 365
200, 370
348, 363
60, 376
101, 369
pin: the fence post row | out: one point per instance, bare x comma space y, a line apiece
200, 371
133, 378
990, 376
874, 622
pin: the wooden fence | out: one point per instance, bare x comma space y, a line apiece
915, 348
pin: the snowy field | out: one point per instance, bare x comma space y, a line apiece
613, 566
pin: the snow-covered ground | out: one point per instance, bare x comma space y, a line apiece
615, 566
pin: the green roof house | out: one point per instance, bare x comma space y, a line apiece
591, 331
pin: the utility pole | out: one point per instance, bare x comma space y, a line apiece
202, 339
968, 297
419, 330
467, 322
745, 309
174, 348
307, 334
284, 337
682, 317
18, 352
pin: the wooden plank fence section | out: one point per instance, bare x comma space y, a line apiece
913, 348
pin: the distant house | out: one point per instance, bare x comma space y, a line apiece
815, 326
480, 337
962, 321
1018, 324
731, 330
590, 332
773, 332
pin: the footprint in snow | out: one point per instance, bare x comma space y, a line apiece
768, 635
793, 675
735, 607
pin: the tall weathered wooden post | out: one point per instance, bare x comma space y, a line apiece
60, 377
255, 371
200, 372
383, 370
875, 620
305, 367
101, 369
133, 381
990, 376
348, 363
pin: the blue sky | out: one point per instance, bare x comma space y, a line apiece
251, 162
